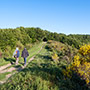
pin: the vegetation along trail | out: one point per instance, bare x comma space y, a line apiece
62, 64
9, 69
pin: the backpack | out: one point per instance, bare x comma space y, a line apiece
18, 53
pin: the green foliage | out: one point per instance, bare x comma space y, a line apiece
20, 45
7, 51
28, 46
19, 37
3, 75
43, 74
6, 38
61, 51
55, 57
8, 59
9, 37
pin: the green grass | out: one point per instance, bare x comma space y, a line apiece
3, 75
33, 51
38, 75
43, 74
3, 62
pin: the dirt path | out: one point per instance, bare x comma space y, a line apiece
3, 68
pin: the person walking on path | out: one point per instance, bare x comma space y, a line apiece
25, 54
16, 55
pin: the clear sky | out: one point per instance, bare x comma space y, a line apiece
61, 16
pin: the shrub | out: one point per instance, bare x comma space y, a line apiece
7, 51
55, 57
20, 45
28, 46
85, 53
64, 52
81, 64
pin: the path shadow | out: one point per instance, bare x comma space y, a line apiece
22, 63
46, 57
18, 67
12, 61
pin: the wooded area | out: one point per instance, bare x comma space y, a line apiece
24, 37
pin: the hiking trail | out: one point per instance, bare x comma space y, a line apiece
4, 69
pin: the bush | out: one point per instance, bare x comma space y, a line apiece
55, 57
81, 64
20, 45
7, 51
28, 46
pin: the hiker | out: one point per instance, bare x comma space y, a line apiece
16, 55
25, 54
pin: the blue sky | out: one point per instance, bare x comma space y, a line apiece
61, 16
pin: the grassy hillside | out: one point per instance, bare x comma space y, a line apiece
45, 72
33, 51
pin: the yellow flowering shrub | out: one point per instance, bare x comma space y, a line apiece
81, 64
76, 62
85, 52
55, 57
